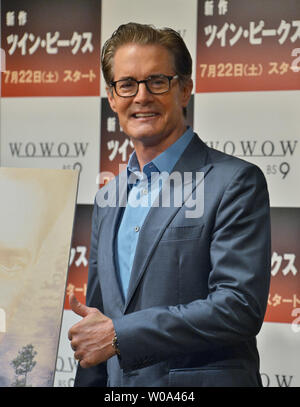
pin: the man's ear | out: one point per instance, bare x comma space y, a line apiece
111, 98
187, 88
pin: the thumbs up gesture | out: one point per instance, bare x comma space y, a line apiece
91, 338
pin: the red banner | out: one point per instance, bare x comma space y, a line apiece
284, 295
248, 45
52, 48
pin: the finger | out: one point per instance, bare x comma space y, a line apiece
78, 356
69, 335
84, 364
78, 307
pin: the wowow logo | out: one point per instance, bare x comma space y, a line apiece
2, 60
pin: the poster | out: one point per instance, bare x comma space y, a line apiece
50, 106
247, 45
36, 216
53, 49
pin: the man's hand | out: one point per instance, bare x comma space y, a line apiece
91, 338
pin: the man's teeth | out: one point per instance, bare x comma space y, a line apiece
144, 114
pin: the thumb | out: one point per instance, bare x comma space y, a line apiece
78, 307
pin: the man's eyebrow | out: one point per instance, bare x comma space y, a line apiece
124, 78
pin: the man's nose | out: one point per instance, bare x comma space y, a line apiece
143, 95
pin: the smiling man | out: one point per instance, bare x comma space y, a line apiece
153, 121
172, 300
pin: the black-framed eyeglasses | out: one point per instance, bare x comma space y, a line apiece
155, 84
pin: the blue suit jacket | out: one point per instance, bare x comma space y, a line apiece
199, 286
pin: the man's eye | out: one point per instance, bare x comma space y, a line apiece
157, 82
126, 84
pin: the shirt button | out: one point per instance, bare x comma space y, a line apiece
136, 228
145, 191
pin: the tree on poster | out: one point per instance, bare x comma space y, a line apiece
23, 364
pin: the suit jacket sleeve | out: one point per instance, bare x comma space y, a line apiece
238, 285
97, 375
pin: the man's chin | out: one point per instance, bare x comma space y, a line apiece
147, 138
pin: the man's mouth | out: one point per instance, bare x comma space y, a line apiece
144, 115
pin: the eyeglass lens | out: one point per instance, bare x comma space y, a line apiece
155, 84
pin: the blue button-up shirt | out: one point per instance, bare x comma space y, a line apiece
142, 194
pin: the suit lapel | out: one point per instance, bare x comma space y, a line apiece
193, 160
109, 275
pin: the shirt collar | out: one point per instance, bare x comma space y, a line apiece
167, 159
